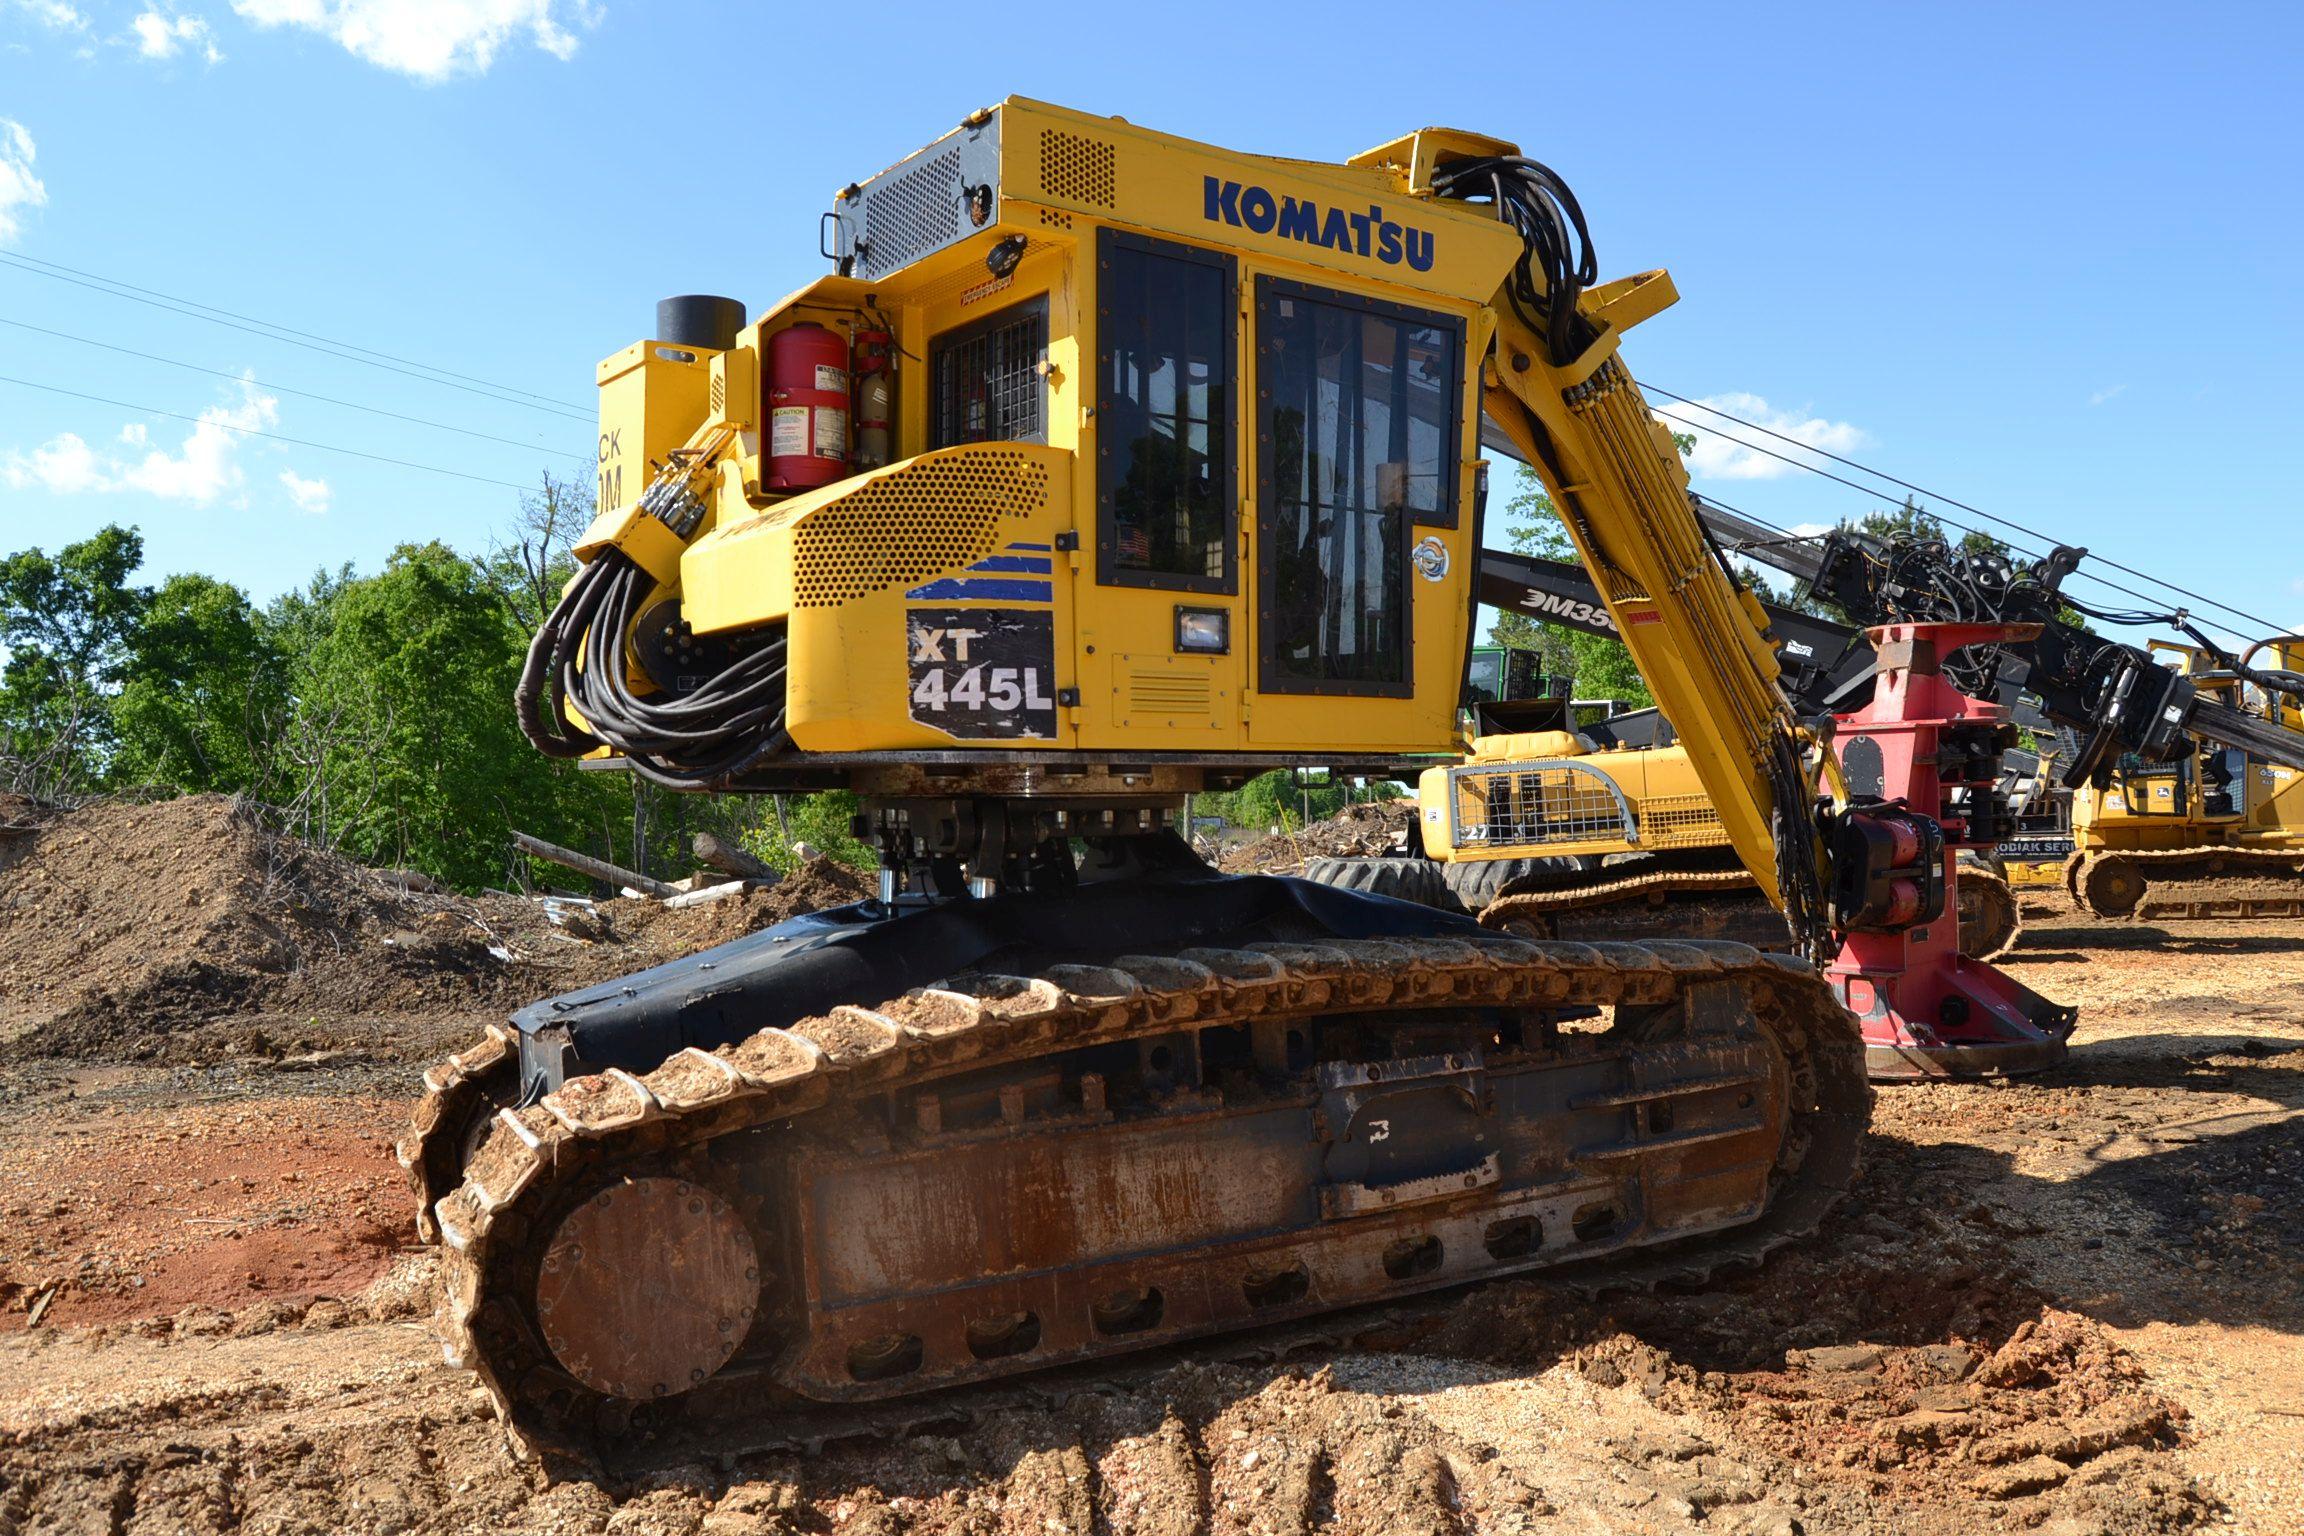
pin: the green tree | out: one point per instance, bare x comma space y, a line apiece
203, 686
67, 622
399, 743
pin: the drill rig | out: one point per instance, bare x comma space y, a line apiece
1105, 467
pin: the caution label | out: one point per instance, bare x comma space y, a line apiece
983, 673
788, 431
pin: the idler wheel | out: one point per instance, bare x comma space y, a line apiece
648, 1288
2112, 887
1988, 916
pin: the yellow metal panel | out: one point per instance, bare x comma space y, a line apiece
652, 395
1361, 220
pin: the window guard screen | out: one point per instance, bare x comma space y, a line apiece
1357, 427
1164, 454
989, 387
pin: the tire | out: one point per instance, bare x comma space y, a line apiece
1402, 879
1477, 882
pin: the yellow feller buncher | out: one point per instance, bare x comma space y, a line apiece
2216, 832
1105, 467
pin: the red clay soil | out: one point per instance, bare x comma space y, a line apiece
213, 1206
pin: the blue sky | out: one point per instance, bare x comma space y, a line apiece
2039, 257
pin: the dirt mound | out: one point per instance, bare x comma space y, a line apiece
1357, 831
125, 927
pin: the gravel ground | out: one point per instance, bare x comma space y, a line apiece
2065, 1306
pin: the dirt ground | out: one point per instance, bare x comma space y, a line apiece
2066, 1306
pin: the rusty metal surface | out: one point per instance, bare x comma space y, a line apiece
1990, 920
2206, 882
648, 1288
1068, 1214
1665, 904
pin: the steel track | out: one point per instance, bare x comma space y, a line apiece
494, 1208
2202, 882
1532, 912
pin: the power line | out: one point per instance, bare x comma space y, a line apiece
149, 410
274, 334
2103, 581
1950, 501
512, 389
373, 410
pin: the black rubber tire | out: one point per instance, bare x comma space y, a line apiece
1403, 879
1477, 882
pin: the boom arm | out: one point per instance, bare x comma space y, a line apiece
1556, 388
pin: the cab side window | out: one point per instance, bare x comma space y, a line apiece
989, 385
1357, 435
1164, 451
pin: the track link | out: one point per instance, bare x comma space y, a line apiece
619, 1131
2207, 882
1990, 920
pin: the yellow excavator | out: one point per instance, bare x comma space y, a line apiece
1104, 467
2216, 832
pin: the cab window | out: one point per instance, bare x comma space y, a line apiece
1357, 430
1164, 452
989, 383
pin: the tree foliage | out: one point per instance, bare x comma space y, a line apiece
372, 712
68, 623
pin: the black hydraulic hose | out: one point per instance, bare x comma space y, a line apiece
576, 660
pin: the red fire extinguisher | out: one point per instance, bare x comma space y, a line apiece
807, 408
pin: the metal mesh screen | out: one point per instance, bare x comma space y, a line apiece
988, 384
1681, 821
1535, 804
909, 215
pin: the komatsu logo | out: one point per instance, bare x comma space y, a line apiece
1350, 230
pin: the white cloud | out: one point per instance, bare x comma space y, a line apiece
19, 188
430, 39
309, 495
2102, 395
54, 13
1717, 458
204, 467
163, 37
1810, 530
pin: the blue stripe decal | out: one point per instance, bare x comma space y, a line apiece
1039, 563
987, 588
1032, 546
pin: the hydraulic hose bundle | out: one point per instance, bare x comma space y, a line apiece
683, 740
1533, 199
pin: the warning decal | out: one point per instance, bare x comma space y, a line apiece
983, 673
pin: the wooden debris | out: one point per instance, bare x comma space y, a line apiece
598, 869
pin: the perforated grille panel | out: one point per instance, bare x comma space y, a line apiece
1533, 804
1077, 168
911, 214
1681, 821
917, 522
